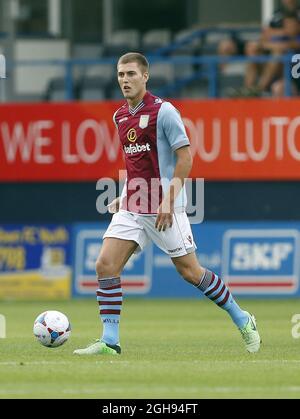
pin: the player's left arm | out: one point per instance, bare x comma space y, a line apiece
174, 132
181, 172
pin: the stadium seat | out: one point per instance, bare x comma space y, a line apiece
193, 47
182, 69
196, 89
56, 90
122, 41
163, 70
234, 68
157, 86
92, 88
154, 39
95, 82
116, 50
248, 35
87, 51
161, 76
105, 71
228, 84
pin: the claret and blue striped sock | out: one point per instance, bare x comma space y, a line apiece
214, 288
109, 297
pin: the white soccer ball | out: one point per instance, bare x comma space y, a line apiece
52, 328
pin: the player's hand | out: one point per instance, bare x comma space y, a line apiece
114, 206
164, 220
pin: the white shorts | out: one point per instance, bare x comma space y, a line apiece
175, 241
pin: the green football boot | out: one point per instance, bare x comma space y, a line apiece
250, 335
99, 348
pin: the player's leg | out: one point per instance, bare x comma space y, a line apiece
123, 237
215, 289
211, 285
178, 243
112, 258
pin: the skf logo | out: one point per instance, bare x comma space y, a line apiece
265, 256
131, 135
261, 261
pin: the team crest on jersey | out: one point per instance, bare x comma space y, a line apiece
131, 135
144, 120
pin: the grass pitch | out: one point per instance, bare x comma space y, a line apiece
171, 349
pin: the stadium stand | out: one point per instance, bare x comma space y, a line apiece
97, 77
121, 42
192, 47
155, 39
56, 90
92, 88
181, 63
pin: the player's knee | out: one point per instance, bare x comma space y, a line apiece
105, 268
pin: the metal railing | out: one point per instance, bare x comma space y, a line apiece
206, 67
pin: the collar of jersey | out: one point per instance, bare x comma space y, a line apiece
134, 110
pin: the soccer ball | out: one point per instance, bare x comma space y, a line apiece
52, 328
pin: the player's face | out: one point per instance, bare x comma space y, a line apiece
132, 80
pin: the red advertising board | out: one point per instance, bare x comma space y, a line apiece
230, 140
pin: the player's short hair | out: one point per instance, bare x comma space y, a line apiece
135, 57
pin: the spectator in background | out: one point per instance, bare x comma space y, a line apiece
281, 36
230, 47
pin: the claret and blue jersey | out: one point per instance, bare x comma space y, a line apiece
150, 134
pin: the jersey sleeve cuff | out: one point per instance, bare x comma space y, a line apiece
180, 144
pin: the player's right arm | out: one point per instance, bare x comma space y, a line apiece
114, 206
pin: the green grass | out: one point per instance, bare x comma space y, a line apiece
171, 349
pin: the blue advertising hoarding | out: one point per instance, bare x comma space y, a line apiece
261, 260
136, 278
253, 258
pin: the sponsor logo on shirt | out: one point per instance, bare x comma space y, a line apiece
131, 135
137, 148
